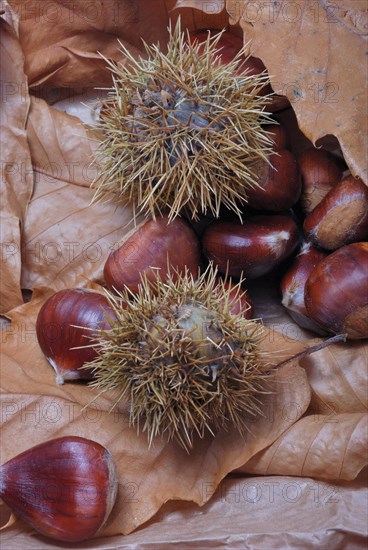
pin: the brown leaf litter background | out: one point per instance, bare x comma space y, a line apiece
297, 472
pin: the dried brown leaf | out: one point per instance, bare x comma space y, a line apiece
320, 446
257, 512
315, 445
62, 40
16, 168
65, 240
61, 145
301, 44
338, 377
38, 408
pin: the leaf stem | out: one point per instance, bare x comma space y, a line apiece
313, 349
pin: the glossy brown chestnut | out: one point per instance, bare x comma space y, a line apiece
239, 300
320, 171
230, 45
341, 217
64, 488
293, 286
253, 248
278, 136
280, 184
336, 292
59, 330
154, 244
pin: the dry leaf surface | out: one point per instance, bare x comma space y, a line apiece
330, 446
16, 167
65, 240
331, 441
302, 44
42, 410
65, 243
62, 40
61, 146
263, 513
338, 377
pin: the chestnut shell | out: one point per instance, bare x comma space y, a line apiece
253, 248
280, 184
293, 286
156, 244
336, 292
64, 488
341, 217
58, 330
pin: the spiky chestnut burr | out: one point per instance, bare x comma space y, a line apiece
182, 131
186, 363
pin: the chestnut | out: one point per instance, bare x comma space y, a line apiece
278, 136
69, 320
253, 248
341, 217
336, 292
279, 184
239, 300
255, 66
293, 286
64, 488
320, 171
153, 245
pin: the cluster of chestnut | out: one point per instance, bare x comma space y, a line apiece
325, 287
305, 223
68, 321
333, 210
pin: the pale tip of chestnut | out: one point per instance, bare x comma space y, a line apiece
276, 240
63, 376
60, 377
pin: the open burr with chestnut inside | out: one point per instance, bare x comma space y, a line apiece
192, 130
